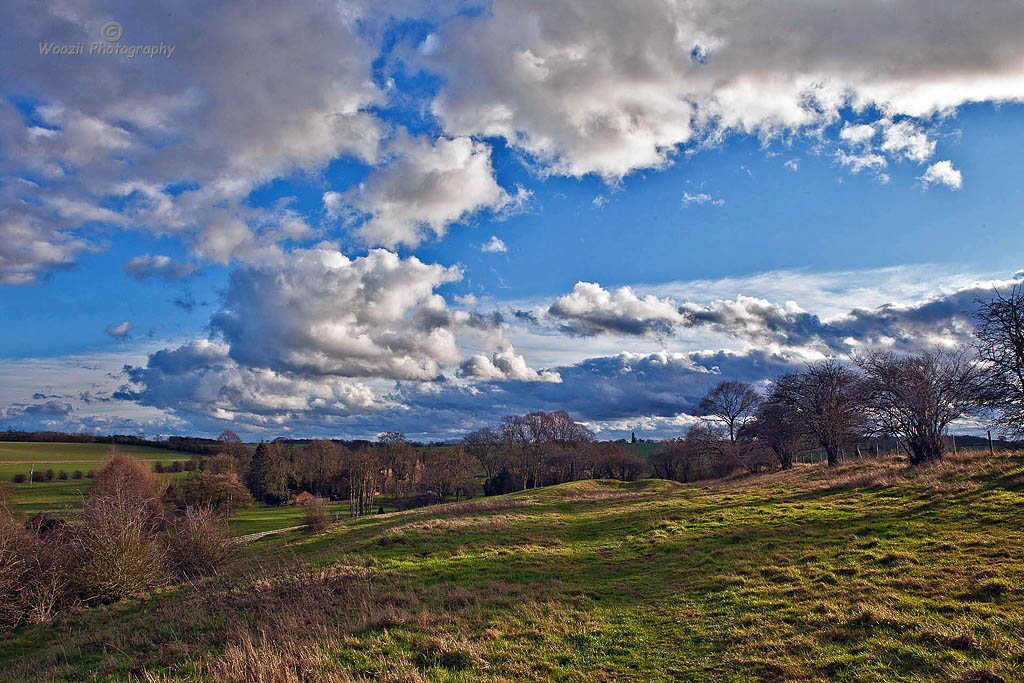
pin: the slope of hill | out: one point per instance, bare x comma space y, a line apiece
867, 572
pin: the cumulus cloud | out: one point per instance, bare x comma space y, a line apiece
175, 143
565, 82
425, 188
494, 246
940, 320
943, 173
157, 265
505, 364
120, 330
590, 309
201, 378
322, 313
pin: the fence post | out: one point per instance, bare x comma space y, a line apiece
953, 436
991, 451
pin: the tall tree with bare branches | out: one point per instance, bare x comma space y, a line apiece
826, 400
1000, 347
916, 397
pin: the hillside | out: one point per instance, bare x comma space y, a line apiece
867, 572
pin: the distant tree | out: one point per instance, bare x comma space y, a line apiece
19, 478
450, 471
266, 478
158, 467
222, 463
827, 401
50, 475
400, 466
776, 426
177, 466
62, 475
487, 446
222, 493
1000, 347
363, 467
730, 403
228, 436
916, 397
503, 482
77, 474
666, 462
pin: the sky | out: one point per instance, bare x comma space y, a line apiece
333, 219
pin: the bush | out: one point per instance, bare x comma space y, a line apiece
90, 474
158, 468
117, 546
38, 477
49, 475
192, 465
77, 474
126, 477
62, 475
199, 543
19, 478
176, 466
317, 515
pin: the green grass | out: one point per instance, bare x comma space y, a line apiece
58, 495
265, 518
869, 572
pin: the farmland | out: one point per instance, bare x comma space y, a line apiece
21, 458
866, 571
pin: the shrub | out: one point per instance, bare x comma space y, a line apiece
192, 465
199, 543
90, 474
222, 492
19, 478
158, 468
62, 475
118, 550
77, 474
124, 476
38, 477
176, 466
49, 475
317, 515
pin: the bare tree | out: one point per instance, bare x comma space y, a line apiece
776, 427
827, 400
1000, 346
916, 397
400, 466
485, 445
730, 403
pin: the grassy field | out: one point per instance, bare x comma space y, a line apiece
19, 458
869, 572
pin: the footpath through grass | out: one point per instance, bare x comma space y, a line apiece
866, 573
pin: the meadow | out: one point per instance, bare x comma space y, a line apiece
55, 495
870, 571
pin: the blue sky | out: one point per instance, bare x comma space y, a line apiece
426, 217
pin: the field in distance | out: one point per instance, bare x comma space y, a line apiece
865, 572
43, 496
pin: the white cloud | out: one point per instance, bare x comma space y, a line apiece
425, 187
494, 246
906, 139
157, 265
505, 364
321, 313
943, 173
858, 134
564, 81
701, 198
590, 309
120, 330
861, 162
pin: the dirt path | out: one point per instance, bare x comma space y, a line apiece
249, 538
